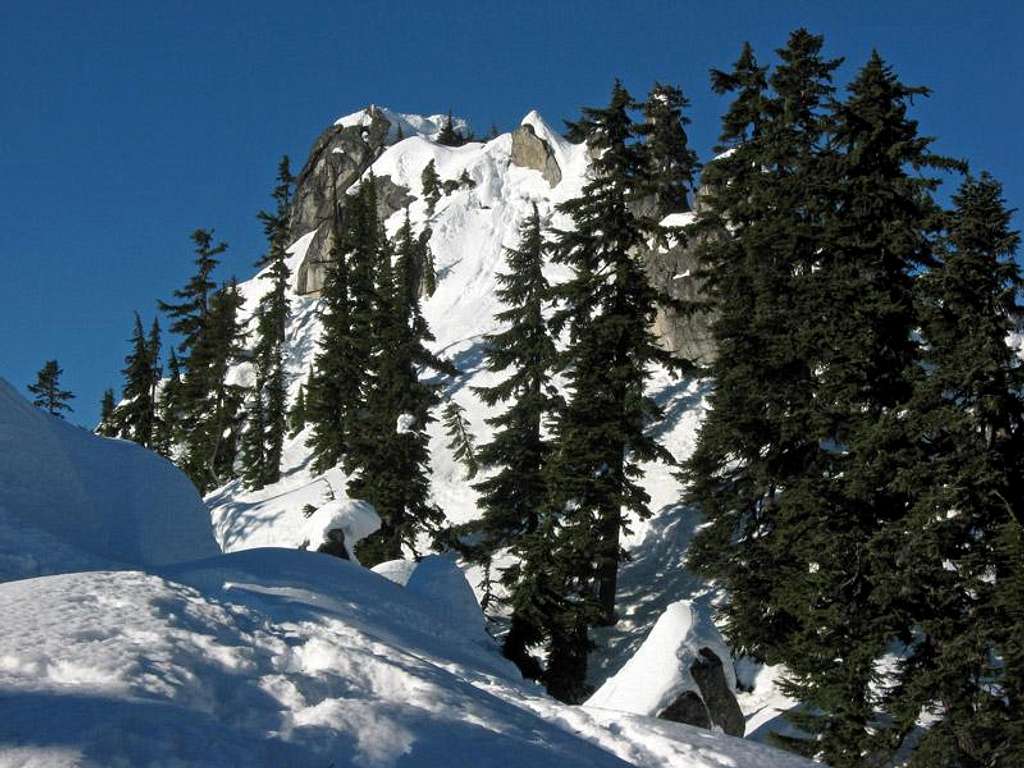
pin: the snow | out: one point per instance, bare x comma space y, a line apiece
274, 657
71, 500
658, 672
428, 126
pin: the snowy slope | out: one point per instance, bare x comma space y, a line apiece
70, 500
284, 658
469, 229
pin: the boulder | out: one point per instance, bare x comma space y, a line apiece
531, 151
715, 706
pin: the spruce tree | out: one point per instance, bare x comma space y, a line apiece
297, 414
390, 453
338, 381
169, 409
671, 163
137, 414
107, 427
961, 557
48, 394
268, 408
431, 183
515, 495
448, 136
460, 439
189, 315
602, 434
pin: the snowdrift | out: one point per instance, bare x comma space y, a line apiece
70, 500
276, 657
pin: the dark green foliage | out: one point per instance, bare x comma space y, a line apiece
670, 161
961, 567
169, 408
338, 382
268, 415
431, 186
602, 434
390, 453
460, 439
448, 136
189, 315
48, 394
107, 426
297, 414
136, 418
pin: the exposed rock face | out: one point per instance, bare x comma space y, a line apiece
673, 272
339, 158
531, 151
716, 699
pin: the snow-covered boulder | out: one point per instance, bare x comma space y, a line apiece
682, 672
71, 500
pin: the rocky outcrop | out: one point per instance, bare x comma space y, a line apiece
531, 151
339, 157
716, 705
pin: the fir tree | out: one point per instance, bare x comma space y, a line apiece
957, 569
107, 426
460, 439
514, 497
297, 414
169, 408
268, 409
390, 445
448, 136
137, 415
431, 186
48, 394
602, 434
671, 163
338, 382
189, 315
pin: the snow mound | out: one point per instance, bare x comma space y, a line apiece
660, 670
276, 657
438, 580
410, 125
70, 500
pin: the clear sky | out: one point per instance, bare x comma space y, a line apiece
126, 125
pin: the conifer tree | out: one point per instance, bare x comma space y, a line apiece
967, 417
390, 444
460, 439
297, 414
603, 434
671, 163
448, 136
137, 415
268, 409
431, 186
212, 419
48, 394
338, 381
107, 427
515, 496
189, 315
169, 408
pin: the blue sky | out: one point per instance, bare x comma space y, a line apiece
124, 126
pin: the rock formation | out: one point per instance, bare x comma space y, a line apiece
531, 151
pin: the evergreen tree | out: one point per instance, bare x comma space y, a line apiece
431, 186
268, 410
448, 136
297, 415
390, 443
671, 163
514, 498
48, 394
107, 426
338, 382
460, 439
212, 420
961, 555
137, 415
189, 315
602, 434
169, 408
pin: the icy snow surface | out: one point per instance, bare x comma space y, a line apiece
70, 500
469, 229
277, 658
